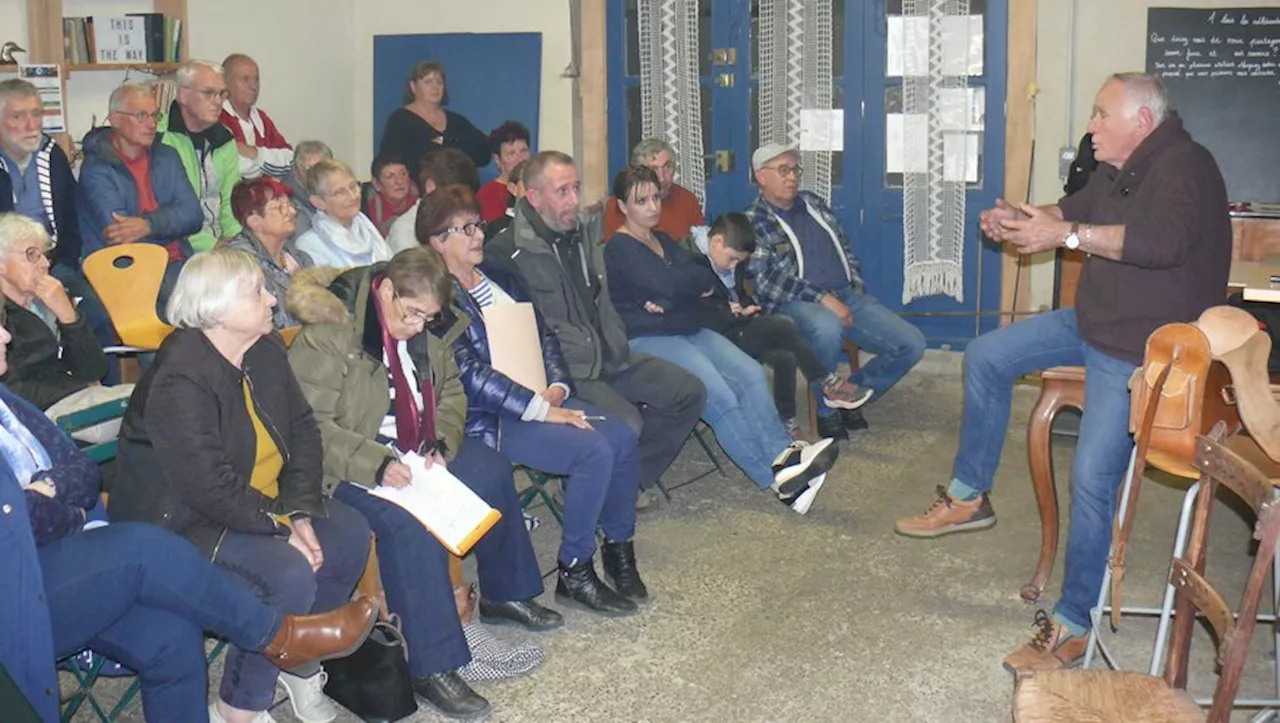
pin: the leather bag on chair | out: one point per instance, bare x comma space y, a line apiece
1176, 396
373, 682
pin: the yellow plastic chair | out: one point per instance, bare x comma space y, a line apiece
288, 333
127, 278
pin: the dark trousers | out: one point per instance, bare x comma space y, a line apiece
415, 567
603, 469
282, 577
659, 401
143, 596
505, 563
777, 341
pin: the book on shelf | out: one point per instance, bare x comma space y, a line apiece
133, 39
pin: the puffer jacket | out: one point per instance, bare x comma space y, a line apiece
338, 359
490, 393
107, 187
188, 447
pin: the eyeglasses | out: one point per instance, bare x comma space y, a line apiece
785, 171
281, 207
351, 190
33, 254
210, 93
413, 316
142, 116
468, 229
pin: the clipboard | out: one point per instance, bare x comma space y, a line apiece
515, 347
450, 511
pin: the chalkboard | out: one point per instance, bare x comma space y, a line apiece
1222, 69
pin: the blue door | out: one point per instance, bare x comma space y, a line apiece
866, 197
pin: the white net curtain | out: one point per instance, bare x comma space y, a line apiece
935, 181
670, 94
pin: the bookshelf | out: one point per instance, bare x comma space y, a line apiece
44, 37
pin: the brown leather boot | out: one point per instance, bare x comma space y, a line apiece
335, 634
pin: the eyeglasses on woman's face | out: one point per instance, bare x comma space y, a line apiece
410, 316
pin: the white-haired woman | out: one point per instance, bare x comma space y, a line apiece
55, 362
341, 235
220, 446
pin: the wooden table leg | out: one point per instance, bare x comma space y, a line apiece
1054, 396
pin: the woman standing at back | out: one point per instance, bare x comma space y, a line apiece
422, 125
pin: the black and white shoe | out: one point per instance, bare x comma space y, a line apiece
800, 463
801, 501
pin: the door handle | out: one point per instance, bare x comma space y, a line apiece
724, 161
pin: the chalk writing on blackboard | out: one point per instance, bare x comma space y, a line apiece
1229, 47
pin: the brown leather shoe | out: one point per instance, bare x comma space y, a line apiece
1052, 648
335, 634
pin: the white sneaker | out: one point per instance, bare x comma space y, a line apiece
216, 717
804, 501
307, 698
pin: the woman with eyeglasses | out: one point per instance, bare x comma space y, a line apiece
264, 207
341, 235
55, 361
375, 362
546, 429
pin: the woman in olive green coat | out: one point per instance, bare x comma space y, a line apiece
375, 363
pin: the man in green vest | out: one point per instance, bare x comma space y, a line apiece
207, 148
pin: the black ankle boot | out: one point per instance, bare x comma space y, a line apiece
619, 561
579, 587
448, 693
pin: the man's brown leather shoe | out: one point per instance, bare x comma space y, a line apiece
335, 634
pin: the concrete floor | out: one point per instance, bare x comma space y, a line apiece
761, 615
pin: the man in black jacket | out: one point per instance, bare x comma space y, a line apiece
36, 181
560, 258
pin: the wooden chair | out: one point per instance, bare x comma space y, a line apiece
1117, 695
1060, 388
127, 278
851, 351
289, 334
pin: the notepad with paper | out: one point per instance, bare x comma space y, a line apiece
443, 504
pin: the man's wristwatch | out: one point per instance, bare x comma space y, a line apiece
1072, 241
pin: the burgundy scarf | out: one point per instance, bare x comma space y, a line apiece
415, 428
383, 211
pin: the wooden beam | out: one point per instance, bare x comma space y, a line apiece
1019, 141
593, 92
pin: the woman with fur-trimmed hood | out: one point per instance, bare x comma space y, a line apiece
374, 361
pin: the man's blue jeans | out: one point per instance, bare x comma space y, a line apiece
739, 406
991, 364
143, 596
897, 343
603, 469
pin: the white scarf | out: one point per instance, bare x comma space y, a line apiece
361, 244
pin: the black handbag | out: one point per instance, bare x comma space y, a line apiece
373, 682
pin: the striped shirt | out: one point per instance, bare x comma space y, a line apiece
486, 293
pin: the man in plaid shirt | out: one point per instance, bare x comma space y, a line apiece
804, 268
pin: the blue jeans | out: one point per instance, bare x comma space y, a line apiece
282, 577
603, 467
991, 364
144, 596
415, 567
739, 407
897, 343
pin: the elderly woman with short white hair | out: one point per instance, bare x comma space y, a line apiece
341, 235
220, 446
55, 362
